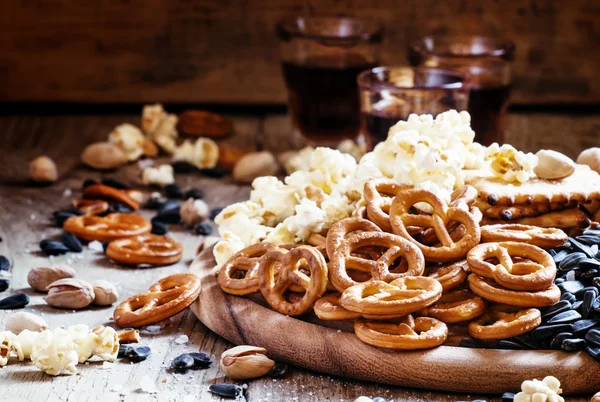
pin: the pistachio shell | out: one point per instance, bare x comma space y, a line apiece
590, 157
254, 165
245, 362
39, 278
553, 165
103, 155
43, 170
70, 293
18, 322
105, 293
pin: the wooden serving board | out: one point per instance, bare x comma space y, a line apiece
315, 346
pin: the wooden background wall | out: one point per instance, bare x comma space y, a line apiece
225, 51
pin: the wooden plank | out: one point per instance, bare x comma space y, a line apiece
227, 52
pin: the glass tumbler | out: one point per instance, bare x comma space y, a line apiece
487, 62
321, 58
390, 94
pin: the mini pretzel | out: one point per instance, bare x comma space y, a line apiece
456, 306
329, 308
110, 193
398, 298
424, 333
244, 263
360, 212
107, 228
490, 290
401, 219
450, 276
164, 299
315, 239
91, 207
502, 322
536, 274
397, 247
378, 206
145, 250
279, 269
341, 229
541, 237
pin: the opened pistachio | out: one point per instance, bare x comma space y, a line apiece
70, 293
245, 362
553, 165
105, 293
39, 278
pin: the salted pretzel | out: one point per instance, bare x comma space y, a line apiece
360, 212
378, 194
541, 237
145, 250
401, 219
449, 275
279, 269
100, 191
341, 229
420, 333
501, 322
537, 272
456, 306
315, 239
91, 207
164, 299
398, 298
490, 290
380, 269
239, 275
329, 308
107, 228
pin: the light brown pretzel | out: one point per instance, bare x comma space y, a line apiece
100, 191
491, 291
401, 219
456, 306
541, 237
145, 250
329, 308
91, 207
421, 333
501, 322
279, 269
107, 228
449, 275
537, 273
380, 269
378, 194
164, 299
239, 275
341, 229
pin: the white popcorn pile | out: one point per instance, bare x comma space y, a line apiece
158, 176
547, 390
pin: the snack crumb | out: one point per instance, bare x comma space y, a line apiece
180, 340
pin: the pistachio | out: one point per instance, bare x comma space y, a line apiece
553, 165
253, 165
70, 293
43, 170
18, 322
590, 157
105, 293
103, 155
245, 362
39, 278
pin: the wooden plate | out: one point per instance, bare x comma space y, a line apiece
241, 320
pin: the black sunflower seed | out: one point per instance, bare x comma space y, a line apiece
570, 286
588, 301
194, 193
588, 239
173, 191
588, 263
593, 337
573, 344
583, 325
556, 308
279, 370
589, 275
592, 232
155, 201
4, 263
170, 205
473, 343
202, 229
124, 350
171, 216
18, 300
227, 390
61, 216
117, 207
570, 297
558, 339
578, 246
546, 331
182, 363
508, 397
4, 284
183, 167
577, 305
596, 304
138, 353
159, 228
559, 280
559, 256
88, 182
71, 242
115, 184
216, 172
53, 247
214, 212
570, 261
201, 360
579, 294
593, 351
527, 340
596, 281
506, 344
562, 318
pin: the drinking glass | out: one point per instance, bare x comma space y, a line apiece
389, 94
321, 58
487, 62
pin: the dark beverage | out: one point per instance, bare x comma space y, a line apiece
378, 123
323, 96
487, 106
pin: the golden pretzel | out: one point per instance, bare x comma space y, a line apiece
378, 206
107, 228
449, 275
541, 237
424, 333
145, 250
341, 229
110, 193
401, 219
456, 306
91, 207
279, 269
502, 322
398, 298
329, 308
239, 275
536, 274
360, 212
164, 299
397, 247
491, 291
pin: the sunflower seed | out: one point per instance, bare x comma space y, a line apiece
170, 205
159, 228
593, 351
61, 216
173, 191
201, 360
88, 182
583, 325
546, 331
171, 216
138, 353
71, 242
214, 212
558, 339
506, 344
115, 184
4, 284
183, 167
593, 337
578, 246
117, 207
573, 344
527, 340
589, 263
202, 229
588, 240
216, 172
589, 276
559, 256
18, 300
570, 286
596, 304
562, 318
559, 280
155, 201
588, 301
508, 397
279, 370
4, 263
227, 390
577, 305
570, 261
592, 232
473, 343
124, 350
182, 363
53, 247
556, 308
194, 193
579, 294
568, 296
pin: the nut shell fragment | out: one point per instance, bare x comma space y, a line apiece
39, 278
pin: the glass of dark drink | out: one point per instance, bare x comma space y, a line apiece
487, 63
390, 94
321, 57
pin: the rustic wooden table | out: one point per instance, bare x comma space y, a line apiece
25, 213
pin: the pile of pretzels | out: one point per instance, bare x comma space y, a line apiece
404, 266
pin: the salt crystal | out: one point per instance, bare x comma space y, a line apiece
152, 328
96, 246
107, 365
570, 276
181, 339
32, 216
147, 385
67, 192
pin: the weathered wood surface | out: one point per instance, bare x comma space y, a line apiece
24, 221
227, 52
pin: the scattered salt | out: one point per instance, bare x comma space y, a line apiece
570, 276
96, 246
32, 216
152, 328
116, 388
107, 365
147, 385
67, 192
181, 339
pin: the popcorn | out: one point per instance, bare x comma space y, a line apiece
25, 340
85, 345
534, 390
509, 164
130, 139
277, 201
308, 219
194, 211
55, 352
281, 235
204, 153
165, 133
152, 115
107, 343
227, 247
7, 339
300, 161
352, 148
160, 176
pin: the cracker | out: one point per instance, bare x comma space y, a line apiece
569, 218
582, 186
510, 212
